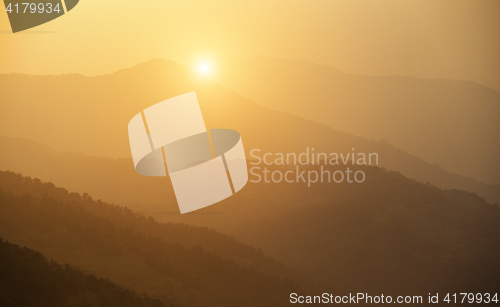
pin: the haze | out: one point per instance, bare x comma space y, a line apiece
429, 39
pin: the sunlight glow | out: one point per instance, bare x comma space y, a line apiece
204, 69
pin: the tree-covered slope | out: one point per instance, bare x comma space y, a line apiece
28, 278
389, 234
111, 242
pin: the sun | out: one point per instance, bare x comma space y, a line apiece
204, 69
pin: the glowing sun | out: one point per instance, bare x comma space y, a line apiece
204, 69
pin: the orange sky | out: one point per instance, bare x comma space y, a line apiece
457, 39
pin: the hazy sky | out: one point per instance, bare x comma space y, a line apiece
457, 39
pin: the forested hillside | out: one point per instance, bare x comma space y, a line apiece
27, 278
389, 234
113, 243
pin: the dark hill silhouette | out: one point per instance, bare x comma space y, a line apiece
138, 253
29, 279
210, 240
90, 115
455, 124
390, 234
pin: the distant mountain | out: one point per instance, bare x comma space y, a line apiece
194, 266
115, 181
90, 115
455, 124
29, 279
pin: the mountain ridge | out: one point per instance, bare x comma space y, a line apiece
439, 120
